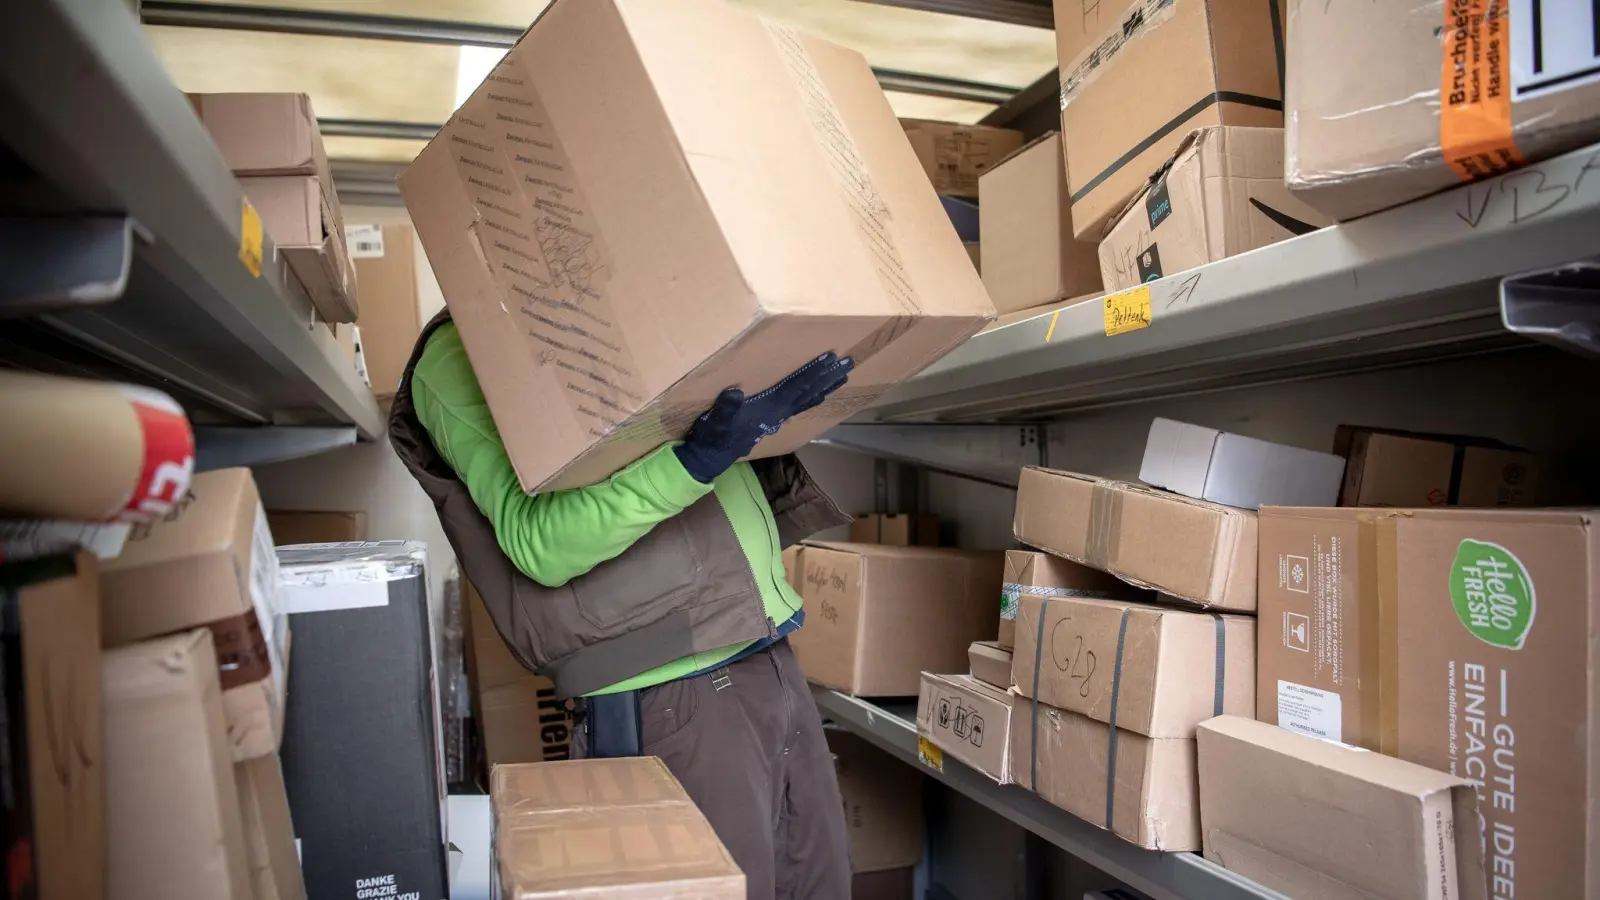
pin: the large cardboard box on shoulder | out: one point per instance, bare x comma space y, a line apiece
1397, 101
1220, 195
1156, 72
877, 616
1401, 468
882, 799
391, 311
1463, 640
956, 156
1030, 257
1032, 572
647, 203
967, 719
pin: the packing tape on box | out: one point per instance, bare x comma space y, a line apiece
1105, 526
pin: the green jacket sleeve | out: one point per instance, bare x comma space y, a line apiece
552, 537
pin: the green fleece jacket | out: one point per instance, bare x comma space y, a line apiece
557, 536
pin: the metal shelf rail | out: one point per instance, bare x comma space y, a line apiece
91, 124
1413, 283
1164, 876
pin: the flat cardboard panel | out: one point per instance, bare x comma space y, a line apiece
391, 318
1176, 668
1235, 470
307, 527
604, 828
1311, 818
173, 827
1029, 255
1222, 195
1397, 468
882, 804
877, 616
955, 157
969, 720
269, 835
990, 663
1031, 572
749, 202
1195, 551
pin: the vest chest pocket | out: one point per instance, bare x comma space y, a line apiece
654, 576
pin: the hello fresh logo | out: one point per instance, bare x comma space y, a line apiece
1492, 593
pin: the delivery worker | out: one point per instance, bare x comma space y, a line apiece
659, 597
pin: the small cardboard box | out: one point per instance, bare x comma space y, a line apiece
990, 663
1235, 470
269, 835
1153, 799
969, 720
1451, 638
263, 134
1196, 551
1153, 74
173, 827
896, 530
1400, 468
956, 156
882, 804
1029, 255
610, 829
391, 312
1031, 572
1311, 818
877, 616
1167, 669
210, 564
1372, 123
54, 777
1220, 195
621, 235
314, 527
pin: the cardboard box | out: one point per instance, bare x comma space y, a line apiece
1373, 124
1029, 255
1190, 549
621, 236
1156, 72
54, 777
956, 156
969, 720
263, 134
1032, 572
792, 569
877, 616
370, 804
1221, 194
269, 835
210, 564
1169, 669
1400, 468
1154, 797
882, 804
391, 311
315, 527
990, 663
1457, 639
519, 717
1311, 818
173, 827
1235, 470
896, 530
604, 828
890, 884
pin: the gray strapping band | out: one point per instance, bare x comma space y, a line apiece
1111, 740
1033, 697
1222, 663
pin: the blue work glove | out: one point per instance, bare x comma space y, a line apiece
736, 423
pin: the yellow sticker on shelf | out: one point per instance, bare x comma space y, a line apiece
1127, 310
931, 756
250, 238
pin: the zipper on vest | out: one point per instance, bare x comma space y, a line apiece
760, 501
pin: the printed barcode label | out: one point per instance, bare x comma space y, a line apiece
364, 241
1554, 46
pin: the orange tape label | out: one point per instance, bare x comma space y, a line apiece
1475, 130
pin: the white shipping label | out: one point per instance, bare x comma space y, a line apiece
1555, 45
364, 241
1308, 710
266, 595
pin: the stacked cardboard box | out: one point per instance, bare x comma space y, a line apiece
1403, 468
955, 157
968, 719
882, 805
1030, 258
896, 529
1041, 574
391, 312
519, 718
1234, 470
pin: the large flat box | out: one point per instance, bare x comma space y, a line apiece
519, 717
1169, 669
611, 829
1220, 195
896, 529
268, 831
316, 527
1030, 257
647, 203
1462, 640
54, 777
1158, 71
1400, 468
990, 663
955, 156
1309, 818
1192, 550
370, 804
1154, 799
391, 311
968, 720
173, 827
882, 804
210, 564
1032, 572
1235, 470
1387, 105
877, 616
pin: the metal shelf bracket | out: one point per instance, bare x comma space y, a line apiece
1559, 306
51, 263
223, 447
